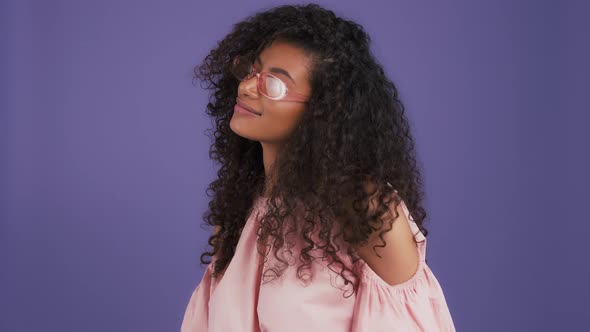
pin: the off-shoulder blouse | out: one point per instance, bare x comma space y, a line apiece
238, 301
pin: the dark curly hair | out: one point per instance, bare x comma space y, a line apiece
351, 146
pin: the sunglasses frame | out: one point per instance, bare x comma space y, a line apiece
287, 95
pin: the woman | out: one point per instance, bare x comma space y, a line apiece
310, 229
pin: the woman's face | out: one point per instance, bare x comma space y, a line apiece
277, 119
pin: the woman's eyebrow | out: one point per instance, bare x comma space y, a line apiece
276, 70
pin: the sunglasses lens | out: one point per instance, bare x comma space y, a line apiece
272, 87
241, 67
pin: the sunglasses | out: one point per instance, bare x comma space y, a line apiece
267, 84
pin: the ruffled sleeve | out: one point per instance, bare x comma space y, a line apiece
196, 314
418, 304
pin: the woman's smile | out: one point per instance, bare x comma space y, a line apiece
242, 110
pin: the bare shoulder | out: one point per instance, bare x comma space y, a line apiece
399, 259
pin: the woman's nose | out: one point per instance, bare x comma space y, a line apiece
248, 86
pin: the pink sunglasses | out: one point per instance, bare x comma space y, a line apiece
267, 84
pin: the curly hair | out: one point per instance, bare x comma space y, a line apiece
354, 135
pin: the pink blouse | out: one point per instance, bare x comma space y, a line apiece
238, 301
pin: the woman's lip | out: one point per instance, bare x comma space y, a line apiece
246, 107
241, 109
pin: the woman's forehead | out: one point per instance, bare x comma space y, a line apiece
288, 57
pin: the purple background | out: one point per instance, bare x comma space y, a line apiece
104, 160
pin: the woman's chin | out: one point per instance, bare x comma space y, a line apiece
242, 129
